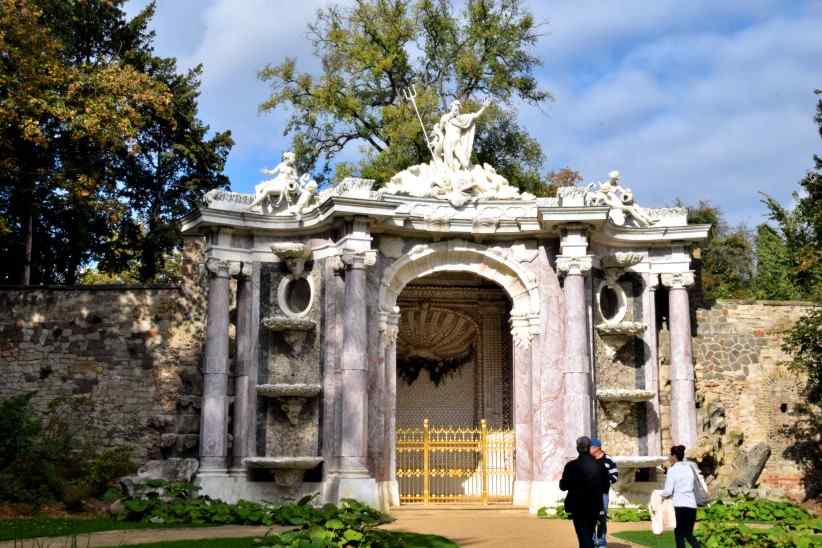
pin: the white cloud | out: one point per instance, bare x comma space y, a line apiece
717, 115
698, 99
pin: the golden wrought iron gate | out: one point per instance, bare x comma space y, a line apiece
459, 465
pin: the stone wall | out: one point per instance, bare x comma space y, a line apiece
135, 351
745, 393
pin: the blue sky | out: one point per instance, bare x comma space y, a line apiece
691, 100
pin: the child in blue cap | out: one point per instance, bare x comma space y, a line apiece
613, 475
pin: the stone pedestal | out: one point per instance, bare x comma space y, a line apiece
214, 417
353, 479
683, 405
578, 389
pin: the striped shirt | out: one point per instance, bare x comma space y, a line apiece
611, 468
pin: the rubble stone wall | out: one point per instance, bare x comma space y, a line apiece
745, 393
135, 351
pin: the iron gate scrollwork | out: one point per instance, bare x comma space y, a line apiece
455, 465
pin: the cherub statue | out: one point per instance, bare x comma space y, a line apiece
619, 198
284, 184
308, 188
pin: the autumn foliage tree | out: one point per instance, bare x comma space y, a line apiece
78, 94
374, 50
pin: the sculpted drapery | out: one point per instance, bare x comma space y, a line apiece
455, 133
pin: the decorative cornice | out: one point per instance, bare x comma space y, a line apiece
575, 265
678, 280
223, 269
359, 259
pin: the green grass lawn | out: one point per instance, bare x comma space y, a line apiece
56, 527
647, 538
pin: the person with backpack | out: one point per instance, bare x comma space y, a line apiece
681, 484
613, 475
585, 480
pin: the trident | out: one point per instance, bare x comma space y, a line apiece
410, 94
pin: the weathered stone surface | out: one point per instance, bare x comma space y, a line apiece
135, 351
168, 469
740, 368
749, 468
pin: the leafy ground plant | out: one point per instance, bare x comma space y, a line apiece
753, 510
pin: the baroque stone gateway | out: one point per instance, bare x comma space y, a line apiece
544, 314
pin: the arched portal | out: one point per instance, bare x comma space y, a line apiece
524, 319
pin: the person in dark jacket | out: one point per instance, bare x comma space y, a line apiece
585, 479
613, 475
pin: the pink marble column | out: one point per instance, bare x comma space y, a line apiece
578, 389
214, 411
649, 337
354, 478
523, 409
683, 405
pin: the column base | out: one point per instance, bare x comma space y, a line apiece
545, 493
522, 492
233, 485
363, 489
389, 494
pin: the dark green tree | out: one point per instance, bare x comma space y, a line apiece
798, 241
375, 49
800, 229
99, 141
173, 164
64, 108
726, 259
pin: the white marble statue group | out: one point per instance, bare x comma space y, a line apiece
285, 186
620, 199
449, 175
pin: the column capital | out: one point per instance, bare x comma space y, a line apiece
245, 270
223, 269
678, 280
359, 260
575, 264
389, 325
651, 280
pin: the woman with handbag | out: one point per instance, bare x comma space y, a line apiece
681, 485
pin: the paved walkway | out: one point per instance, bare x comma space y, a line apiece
141, 536
484, 527
496, 527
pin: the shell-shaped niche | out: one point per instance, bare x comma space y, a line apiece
434, 333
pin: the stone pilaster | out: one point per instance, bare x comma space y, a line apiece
354, 478
214, 417
389, 488
245, 396
578, 384
683, 405
651, 365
